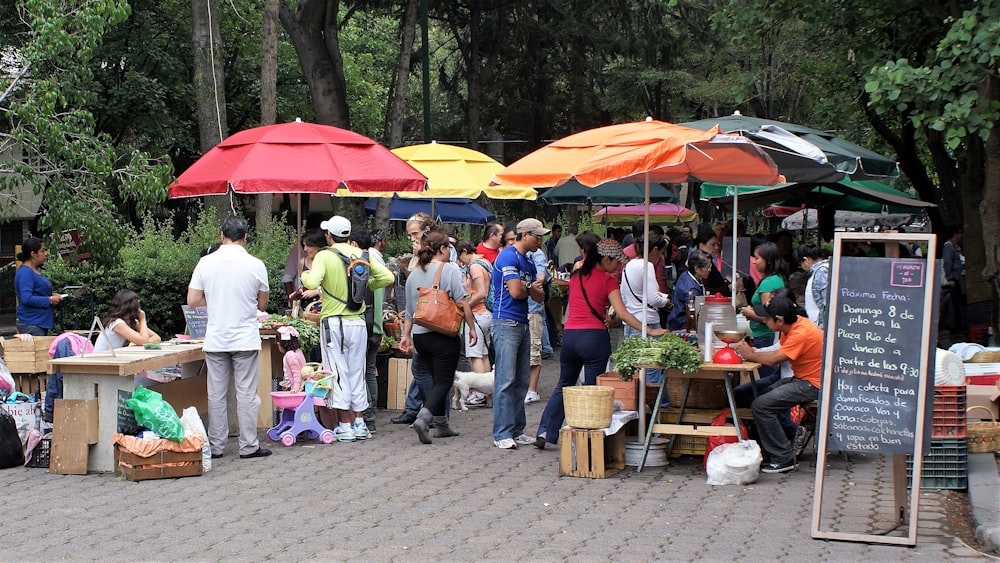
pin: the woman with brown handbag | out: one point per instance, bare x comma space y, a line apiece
440, 351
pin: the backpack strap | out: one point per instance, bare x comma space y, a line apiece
347, 265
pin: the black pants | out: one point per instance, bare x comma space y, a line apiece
440, 352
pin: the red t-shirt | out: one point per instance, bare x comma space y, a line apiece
598, 285
488, 253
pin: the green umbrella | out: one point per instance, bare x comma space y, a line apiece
851, 195
575, 193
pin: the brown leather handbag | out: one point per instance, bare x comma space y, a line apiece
436, 311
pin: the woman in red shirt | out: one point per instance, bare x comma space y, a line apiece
586, 343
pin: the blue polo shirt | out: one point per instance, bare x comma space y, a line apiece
511, 265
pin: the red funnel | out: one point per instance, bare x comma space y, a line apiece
727, 356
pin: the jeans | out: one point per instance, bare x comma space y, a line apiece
54, 385
652, 375
371, 376
420, 386
441, 353
778, 398
512, 343
586, 349
546, 339
34, 330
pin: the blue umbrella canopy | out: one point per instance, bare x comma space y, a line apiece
448, 210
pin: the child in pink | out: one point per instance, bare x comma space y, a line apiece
294, 359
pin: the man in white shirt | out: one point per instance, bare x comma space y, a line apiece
233, 286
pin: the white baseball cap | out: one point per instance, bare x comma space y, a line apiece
337, 226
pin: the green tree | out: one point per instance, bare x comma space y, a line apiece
79, 169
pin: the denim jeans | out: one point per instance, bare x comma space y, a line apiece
34, 330
512, 343
420, 386
546, 339
371, 377
652, 375
586, 349
767, 408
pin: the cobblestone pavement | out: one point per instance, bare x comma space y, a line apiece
391, 498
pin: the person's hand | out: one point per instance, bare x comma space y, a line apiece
55, 298
473, 337
404, 343
142, 316
741, 348
747, 312
655, 331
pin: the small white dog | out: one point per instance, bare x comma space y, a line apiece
470, 380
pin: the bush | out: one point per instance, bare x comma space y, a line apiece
158, 267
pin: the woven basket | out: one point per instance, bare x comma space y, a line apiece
588, 406
983, 437
311, 317
985, 357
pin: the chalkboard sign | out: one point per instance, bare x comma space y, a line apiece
197, 320
877, 316
127, 423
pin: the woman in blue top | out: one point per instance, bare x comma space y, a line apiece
689, 285
35, 300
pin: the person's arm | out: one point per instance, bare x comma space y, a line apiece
262, 297
139, 335
479, 288
195, 297
654, 295
380, 276
750, 354
470, 321
615, 297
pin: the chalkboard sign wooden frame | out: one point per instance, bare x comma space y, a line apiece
864, 365
197, 320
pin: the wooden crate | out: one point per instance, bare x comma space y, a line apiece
27, 357
142, 467
400, 375
625, 391
590, 453
694, 445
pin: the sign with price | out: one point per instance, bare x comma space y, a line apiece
878, 366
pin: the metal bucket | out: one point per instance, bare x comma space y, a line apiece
657, 456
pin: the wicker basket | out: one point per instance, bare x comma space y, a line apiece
313, 318
985, 357
983, 437
588, 406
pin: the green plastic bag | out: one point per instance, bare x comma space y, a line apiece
154, 413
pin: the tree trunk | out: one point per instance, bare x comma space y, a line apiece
268, 90
313, 32
988, 215
209, 84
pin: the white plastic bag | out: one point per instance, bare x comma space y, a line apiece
192, 425
734, 464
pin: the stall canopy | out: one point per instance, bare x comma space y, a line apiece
846, 220
853, 195
448, 210
632, 193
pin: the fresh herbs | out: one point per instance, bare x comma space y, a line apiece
669, 352
308, 332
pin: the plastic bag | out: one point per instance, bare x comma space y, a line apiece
6, 379
154, 413
716, 441
192, 425
734, 464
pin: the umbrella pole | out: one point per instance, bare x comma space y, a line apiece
645, 262
736, 207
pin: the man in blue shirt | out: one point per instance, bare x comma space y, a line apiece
514, 282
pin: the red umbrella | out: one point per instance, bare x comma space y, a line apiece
297, 158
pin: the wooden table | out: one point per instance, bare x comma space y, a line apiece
100, 376
708, 371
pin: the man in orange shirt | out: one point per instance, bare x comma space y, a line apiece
801, 344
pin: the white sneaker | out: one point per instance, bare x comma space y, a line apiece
361, 432
505, 444
524, 440
476, 399
531, 397
344, 434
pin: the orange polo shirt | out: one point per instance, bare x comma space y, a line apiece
803, 345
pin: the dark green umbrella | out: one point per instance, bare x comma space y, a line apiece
860, 195
851, 159
575, 193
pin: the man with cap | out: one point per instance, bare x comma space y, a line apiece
801, 344
233, 286
343, 332
516, 283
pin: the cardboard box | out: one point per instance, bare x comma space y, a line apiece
400, 375
982, 396
27, 357
156, 466
625, 391
184, 393
590, 453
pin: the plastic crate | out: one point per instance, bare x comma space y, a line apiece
948, 415
41, 454
945, 467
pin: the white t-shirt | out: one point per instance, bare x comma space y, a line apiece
109, 334
631, 289
231, 279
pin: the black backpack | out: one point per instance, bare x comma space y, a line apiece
358, 272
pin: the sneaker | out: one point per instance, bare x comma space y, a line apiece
802, 436
476, 399
361, 432
524, 440
789, 465
406, 418
540, 442
344, 433
531, 397
505, 444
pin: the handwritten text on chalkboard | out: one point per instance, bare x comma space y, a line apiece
876, 321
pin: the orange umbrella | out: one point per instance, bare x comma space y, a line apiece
646, 151
650, 151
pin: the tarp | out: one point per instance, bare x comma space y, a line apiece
448, 210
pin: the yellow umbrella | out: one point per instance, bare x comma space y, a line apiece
452, 172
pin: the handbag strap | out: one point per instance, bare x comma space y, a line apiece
632, 291
437, 277
587, 299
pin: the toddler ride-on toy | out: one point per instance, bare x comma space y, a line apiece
298, 414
